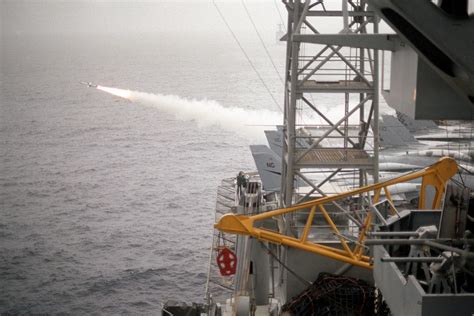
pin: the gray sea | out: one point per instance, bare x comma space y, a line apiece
107, 206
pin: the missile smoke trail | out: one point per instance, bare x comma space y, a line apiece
204, 112
117, 92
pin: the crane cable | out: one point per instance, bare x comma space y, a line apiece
298, 277
246, 56
262, 42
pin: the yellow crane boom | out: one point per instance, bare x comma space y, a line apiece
435, 176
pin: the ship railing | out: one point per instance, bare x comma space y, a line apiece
225, 203
230, 201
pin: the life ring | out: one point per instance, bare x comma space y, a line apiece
226, 261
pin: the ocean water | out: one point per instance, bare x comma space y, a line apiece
106, 206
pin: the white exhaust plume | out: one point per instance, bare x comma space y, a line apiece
248, 123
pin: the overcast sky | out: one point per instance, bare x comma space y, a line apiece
130, 16
145, 16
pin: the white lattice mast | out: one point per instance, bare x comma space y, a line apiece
335, 66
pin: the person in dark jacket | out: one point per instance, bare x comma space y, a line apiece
241, 182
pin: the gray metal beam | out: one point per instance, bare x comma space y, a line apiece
339, 13
372, 41
444, 42
375, 105
301, 18
412, 259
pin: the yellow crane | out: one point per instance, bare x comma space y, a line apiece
435, 176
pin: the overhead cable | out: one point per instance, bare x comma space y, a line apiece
279, 13
262, 42
298, 277
246, 56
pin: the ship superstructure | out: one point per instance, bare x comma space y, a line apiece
353, 200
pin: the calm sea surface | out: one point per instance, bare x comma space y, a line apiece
106, 206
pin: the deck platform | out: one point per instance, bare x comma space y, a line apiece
342, 86
334, 158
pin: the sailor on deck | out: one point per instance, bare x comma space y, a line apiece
241, 182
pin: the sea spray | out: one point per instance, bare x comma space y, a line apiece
205, 113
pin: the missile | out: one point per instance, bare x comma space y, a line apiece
89, 84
